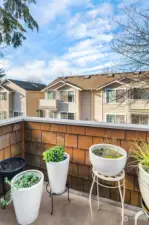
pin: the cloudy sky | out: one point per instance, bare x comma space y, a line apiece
74, 38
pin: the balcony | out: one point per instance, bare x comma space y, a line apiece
29, 137
75, 212
51, 104
139, 105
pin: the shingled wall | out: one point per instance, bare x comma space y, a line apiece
11, 142
77, 139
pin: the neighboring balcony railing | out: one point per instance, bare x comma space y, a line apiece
139, 104
51, 104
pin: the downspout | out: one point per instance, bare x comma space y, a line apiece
92, 106
102, 105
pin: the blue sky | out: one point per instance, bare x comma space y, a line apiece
74, 38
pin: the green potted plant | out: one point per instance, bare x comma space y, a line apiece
26, 191
57, 162
140, 153
108, 159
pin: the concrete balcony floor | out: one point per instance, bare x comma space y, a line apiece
75, 212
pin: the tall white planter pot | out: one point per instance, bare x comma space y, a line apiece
26, 201
57, 174
106, 166
144, 184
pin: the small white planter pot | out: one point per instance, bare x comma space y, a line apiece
26, 201
57, 174
144, 185
106, 166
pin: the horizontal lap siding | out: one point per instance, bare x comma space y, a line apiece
77, 140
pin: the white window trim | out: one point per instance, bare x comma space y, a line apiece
48, 113
6, 114
47, 95
114, 103
68, 102
18, 112
115, 115
4, 92
137, 100
67, 113
139, 114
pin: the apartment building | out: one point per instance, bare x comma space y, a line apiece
19, 98
113, 98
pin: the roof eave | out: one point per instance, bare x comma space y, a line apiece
112, 82
65, 83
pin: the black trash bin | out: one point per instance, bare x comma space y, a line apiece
9, 168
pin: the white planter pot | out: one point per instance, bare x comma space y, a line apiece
26, 201
106, 166
57, 174
144, 185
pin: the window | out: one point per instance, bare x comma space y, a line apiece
40, 113
15, 114
52, 114
139, 119
70, 96
50, 95
111, 118
67, 96
65, 115
3, 96
3, 115
138, 93
115, 95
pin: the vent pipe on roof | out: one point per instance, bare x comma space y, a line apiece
87, 77
110, 75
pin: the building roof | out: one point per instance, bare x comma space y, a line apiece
28, 86
7, 88
93, 82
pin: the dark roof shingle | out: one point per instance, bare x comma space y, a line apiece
28, 86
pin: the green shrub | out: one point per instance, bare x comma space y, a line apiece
55, 154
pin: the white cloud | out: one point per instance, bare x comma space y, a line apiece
88, 55
5, 63
93, 24
104, 10
97, 68
49, 10
33, 68
93, 30
140, 3
38, 69
88, 33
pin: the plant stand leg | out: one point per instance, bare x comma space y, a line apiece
124, 190
138, 214
98, 203
68, 192
122, 201
90, 198
51, 204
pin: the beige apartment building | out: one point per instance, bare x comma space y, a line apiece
109, 98
19, 98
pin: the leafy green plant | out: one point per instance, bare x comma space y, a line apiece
140, 152
55, 154
28, 180
108, 153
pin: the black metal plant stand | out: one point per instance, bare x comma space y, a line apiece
54, 194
